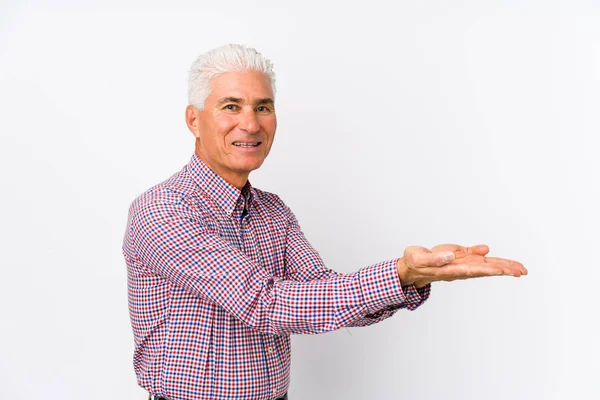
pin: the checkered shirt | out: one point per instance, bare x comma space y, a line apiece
218, 280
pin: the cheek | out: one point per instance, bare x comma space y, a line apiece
270, 126
270, 129
224, 125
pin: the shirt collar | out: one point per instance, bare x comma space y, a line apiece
222, 192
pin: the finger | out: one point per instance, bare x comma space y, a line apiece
480, 249
478, 269
453, 272
516, 267
470, 270
461, 251
447, 247
421, 259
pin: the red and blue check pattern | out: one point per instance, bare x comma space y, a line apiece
218, 280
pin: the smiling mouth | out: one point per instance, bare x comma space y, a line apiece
246, 144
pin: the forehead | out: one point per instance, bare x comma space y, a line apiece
245, 85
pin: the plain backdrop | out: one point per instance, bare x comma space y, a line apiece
400, 123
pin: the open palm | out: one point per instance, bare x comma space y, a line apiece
469, 262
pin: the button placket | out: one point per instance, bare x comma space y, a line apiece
274, 375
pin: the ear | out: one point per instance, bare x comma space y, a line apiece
192, 119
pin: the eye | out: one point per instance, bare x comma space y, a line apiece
230, 107
263, 109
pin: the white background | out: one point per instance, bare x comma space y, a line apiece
400, 123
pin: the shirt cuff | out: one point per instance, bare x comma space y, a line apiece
381, 288
415, 297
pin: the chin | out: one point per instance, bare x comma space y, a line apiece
250, 166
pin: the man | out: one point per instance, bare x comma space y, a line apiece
219, 272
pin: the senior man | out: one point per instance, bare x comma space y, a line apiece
219, 272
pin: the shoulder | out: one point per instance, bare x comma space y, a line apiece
275, 207
270, 201
168, 197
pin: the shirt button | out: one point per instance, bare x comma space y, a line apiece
270, 349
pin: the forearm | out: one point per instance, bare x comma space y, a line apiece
365, 297
415, 297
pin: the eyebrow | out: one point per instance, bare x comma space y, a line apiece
229, 100
237, 100
266, 100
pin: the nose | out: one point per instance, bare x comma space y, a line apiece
249, 122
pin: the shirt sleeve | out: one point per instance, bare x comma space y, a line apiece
379, 286
175, 244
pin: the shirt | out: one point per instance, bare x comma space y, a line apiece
218, 280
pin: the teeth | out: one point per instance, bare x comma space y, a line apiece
240, 144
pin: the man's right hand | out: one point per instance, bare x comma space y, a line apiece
448, 262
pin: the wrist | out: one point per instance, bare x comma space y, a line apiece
421, 283
405, 274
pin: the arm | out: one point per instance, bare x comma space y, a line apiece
174, 244
382, 290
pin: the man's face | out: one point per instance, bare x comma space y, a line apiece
236, 128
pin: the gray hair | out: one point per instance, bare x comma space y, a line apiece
227, 58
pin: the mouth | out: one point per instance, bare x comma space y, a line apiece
246, 144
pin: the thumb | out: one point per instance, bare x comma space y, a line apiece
480, 250
419, 257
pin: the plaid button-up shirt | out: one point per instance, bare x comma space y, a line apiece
218, 279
